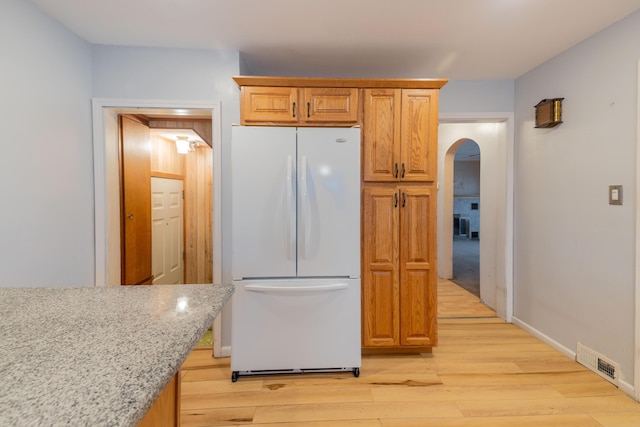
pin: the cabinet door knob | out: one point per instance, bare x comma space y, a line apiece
294, 110
396, 172
404, 199
403, 170
130, 216
308, 109
396, 196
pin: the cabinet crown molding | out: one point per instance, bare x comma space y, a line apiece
274, 81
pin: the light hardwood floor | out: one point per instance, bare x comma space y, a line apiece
484, 372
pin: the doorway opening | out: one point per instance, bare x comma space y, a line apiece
105, 113
493, 135
177, 248
466, 216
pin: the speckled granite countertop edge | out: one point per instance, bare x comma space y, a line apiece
96, 356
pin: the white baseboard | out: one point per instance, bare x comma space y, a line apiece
628, 389
622, 385
225, 351
545, 338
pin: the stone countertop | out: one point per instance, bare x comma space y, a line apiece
96, 356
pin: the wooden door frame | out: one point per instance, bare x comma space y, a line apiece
105, 238
506, 302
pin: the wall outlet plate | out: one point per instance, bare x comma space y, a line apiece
615, 194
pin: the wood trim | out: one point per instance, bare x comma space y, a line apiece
137, 118
165, 411
167, 175
396, 350
200, 126
335, 82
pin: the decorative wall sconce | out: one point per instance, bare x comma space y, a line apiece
549, 113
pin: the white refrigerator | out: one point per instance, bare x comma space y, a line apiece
295, 250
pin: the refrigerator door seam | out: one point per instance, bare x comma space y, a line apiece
290, 209
305, 217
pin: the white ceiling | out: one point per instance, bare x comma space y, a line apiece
456, 39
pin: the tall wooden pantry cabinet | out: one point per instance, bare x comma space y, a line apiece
399, 122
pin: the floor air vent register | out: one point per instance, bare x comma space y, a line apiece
598, 363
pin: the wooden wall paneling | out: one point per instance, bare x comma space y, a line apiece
208, 228
165, 159
190, 220
199, 216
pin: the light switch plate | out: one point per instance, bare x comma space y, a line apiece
615, 194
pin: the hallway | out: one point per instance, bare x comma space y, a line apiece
466, 264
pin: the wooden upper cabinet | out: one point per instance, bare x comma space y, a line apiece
298, 106
334, 105
381, 133
418, 135
400, 134
261, 104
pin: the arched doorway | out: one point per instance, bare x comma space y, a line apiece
495, 246
466, 215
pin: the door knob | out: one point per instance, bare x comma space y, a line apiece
130, 216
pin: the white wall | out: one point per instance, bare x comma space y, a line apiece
574, 253
466, 180
46, 224
466, 192
464, 96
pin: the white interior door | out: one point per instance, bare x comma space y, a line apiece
167, 263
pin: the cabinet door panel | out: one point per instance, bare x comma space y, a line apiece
419, 139
381, 134
380, 293
269, 104
417, 267
338, 105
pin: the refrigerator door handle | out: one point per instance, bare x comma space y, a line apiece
304, 201
296, 289
291, 223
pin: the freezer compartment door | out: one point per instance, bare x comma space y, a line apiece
295, 325
263, 200
328, 202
